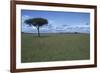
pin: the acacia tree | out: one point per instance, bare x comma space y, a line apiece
37, 22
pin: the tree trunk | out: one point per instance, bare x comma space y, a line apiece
38, 31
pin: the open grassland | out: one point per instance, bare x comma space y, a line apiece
54, 47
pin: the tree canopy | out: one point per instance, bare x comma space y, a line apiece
37, 22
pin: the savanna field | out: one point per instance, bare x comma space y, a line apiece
54, 47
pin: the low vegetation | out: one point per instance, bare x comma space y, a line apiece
54, 47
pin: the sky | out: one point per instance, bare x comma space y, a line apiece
57, 21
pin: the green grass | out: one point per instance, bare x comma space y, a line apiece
57, 47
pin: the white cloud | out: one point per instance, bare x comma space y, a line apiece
51, 27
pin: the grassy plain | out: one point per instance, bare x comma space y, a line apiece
54, 47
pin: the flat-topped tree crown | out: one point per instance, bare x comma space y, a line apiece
37, 22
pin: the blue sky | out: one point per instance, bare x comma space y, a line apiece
58, 21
